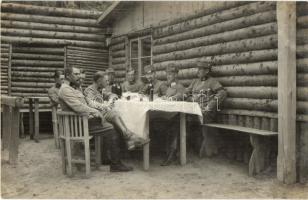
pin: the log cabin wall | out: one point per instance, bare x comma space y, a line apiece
302, 90
241, 42
5, 68
90, 60
118, 56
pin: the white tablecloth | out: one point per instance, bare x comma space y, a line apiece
134, 113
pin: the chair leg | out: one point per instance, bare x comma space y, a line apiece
98, 157
62, 148
68, 157
146, 156
87, 156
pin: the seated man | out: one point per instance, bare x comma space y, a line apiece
175, 92
72, 99
113, 87
209, 93
132, 85
53, 92
159, 87
95, 98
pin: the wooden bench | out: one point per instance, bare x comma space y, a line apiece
258, 139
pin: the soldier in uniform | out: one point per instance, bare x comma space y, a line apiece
159, 87
209, 93
113, 87
53, 92
132, 85
175, 92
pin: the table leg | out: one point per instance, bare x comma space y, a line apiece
31, 129
183, 138
36, 120
146, 147
22, 128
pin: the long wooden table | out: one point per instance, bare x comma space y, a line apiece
136, 116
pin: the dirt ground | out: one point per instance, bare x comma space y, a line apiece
39, 175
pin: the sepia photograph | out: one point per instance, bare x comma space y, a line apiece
154, 99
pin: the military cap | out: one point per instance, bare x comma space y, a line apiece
148, 69
204, 65
110, 70
172, 68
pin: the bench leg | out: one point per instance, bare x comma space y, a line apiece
257, 159
146, 156
63, 156
87, 156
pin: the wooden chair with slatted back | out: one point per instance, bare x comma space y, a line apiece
73, 127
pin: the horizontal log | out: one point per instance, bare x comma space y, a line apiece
259, 68
302, 22
269, 105
44, 10
118, 54
51, 34
302, 36
303, 118
117, 47
302, 107
243, 33
89, 66
120, 73
24, 90
119, 67
86, 53
94, 50
242, 22
36, 69
120, 60
254, 113
50, 27
69, 59
4, 54
233, 58
259, 43
302, 93
214, 18
302, 79
87, 56
252, 92
38, 50
302, 65
47, 41
33, 74
302, 51
33, 94
38, 63
117, 40
98, 59
49, 19
37, 56
30, 79
256, 80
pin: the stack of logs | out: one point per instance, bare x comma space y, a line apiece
241, 42
302, 89
50, 26
88, 59
118, 57
5, 68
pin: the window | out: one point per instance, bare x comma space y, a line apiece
140, 54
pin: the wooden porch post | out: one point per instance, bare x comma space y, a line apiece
286, 161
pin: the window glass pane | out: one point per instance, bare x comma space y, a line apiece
146, 46
134, 64
134, 49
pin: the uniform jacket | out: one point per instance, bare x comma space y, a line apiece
136, 87
160, 88
175, 90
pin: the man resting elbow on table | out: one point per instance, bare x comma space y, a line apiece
72, 99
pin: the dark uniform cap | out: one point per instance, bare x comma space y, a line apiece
110, 70
204, 65
172, 68
148, 69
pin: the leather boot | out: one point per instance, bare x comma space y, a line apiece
120, 167
170, 158
132, 140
